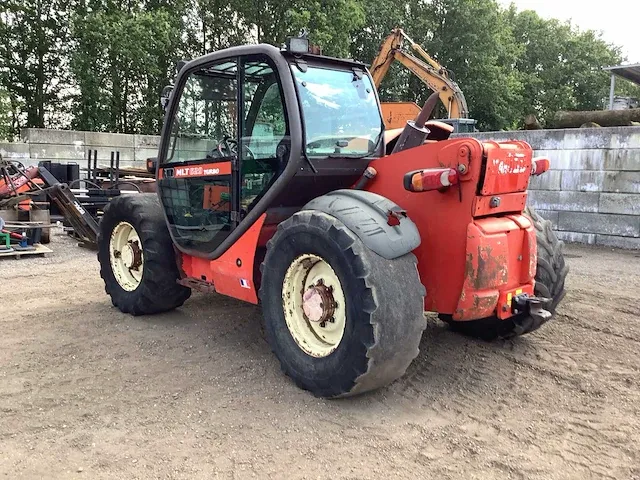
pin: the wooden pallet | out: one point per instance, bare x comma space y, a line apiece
39, 251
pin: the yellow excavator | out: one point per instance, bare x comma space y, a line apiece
427, 69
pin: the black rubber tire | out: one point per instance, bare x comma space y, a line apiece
158, 291
45, 236
385, 308
550, 279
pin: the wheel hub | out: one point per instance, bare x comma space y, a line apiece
131, 255
126, 256
314, 305
318, 303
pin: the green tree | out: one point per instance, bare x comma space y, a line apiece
560, 66
33, 49
380, 18
121, 61
6, 127
331, 23
472, 39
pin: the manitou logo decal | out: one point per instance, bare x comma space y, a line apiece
208, 170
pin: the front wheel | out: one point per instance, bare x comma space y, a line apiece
137, 258
341, 319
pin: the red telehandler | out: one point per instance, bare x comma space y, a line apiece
277, 184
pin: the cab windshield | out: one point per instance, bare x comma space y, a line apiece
341, 114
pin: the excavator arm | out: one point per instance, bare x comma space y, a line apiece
434, 75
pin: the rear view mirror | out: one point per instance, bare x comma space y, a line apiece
165, 96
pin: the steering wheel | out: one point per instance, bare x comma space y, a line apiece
229, 147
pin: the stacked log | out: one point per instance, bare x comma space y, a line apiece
603, 118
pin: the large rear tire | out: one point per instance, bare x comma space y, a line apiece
550, 283
137, 258
341, 319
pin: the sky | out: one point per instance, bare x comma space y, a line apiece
616, 19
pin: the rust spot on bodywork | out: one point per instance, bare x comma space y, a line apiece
481, 306
492, 269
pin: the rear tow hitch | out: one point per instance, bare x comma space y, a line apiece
533, 306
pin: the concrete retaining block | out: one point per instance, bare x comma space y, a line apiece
547, 181
574, 159
622, 203
582, 181
549, 215
56, 153
586, 138
15, 151
618, 242
625, 160
599, 223
583, 138
627, 138
141, 154
127, 156
146, 141
564, 201
47, 136
576, 237
622, 182
114, 141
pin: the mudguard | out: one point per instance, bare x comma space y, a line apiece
381, 224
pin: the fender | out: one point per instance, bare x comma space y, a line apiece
381, 224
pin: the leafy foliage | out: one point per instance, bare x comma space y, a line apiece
33, 56
101, 64
5, 116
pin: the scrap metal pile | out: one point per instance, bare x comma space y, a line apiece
26, 195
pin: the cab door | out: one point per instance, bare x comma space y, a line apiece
223, 152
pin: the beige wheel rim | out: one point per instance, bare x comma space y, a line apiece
126, 257
314, 305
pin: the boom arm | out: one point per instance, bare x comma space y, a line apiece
426, 69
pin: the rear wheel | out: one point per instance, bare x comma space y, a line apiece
550, 278
341, 319
137, 259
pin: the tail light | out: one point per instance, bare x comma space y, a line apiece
539, 166
430, 179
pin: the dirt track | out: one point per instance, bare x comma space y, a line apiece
87, 392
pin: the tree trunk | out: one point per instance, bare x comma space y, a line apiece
604, 118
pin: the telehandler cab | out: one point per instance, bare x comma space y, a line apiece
277, 184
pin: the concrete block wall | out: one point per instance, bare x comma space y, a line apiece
68, 146
592, 192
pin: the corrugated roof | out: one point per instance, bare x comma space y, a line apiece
630, 72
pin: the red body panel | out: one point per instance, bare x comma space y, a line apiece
477, 250
466, 263
233, 273
19, 183
498, 260
508, 167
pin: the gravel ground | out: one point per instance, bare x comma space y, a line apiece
88, 392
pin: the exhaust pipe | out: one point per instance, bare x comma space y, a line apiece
415, 133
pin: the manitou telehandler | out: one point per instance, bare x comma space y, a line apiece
278, 185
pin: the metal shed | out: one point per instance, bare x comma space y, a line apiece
628, 72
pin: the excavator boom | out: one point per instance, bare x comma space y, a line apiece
434, 75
